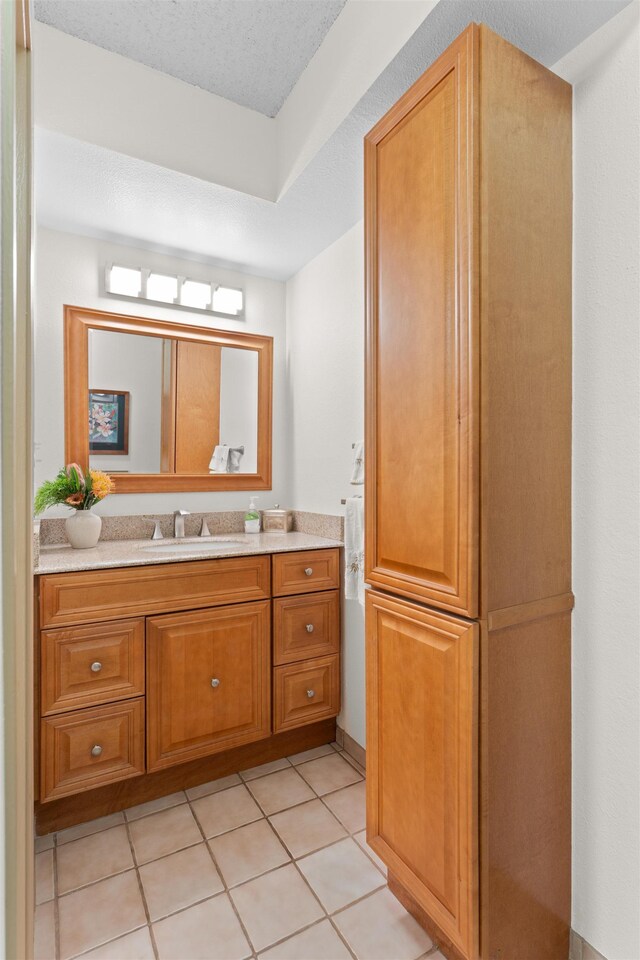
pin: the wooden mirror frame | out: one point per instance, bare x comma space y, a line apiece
78, 321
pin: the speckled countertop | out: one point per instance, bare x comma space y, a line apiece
61, 558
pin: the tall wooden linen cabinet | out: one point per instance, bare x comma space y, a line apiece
468, 459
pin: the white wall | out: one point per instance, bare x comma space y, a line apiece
70, 270
606, 566
325, 376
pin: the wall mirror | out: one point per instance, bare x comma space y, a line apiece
164, 406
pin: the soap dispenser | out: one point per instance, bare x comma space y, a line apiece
252, 517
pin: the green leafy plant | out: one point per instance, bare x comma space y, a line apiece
74, 488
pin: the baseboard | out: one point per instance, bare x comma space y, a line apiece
352, 747
579, 949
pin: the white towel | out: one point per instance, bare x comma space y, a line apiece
354, 549
357, 477
220, 460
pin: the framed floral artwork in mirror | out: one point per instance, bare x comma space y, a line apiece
109, 422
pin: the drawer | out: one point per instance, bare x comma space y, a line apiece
89, 748
305, 627
305, 692
87, 666
305, 571
68, 598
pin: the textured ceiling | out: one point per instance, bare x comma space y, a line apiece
249, 51
85, 189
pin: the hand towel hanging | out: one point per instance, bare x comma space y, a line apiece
354, 549
357, 477
220, 459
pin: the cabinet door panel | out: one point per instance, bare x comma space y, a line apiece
421, 459
208, 682
421, 757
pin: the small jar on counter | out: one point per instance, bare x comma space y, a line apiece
277, 520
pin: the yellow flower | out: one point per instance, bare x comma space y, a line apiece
102, 484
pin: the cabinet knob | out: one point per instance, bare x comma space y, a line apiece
96, 750
215, 682
311, 694
309, 628
96, 667
308, 571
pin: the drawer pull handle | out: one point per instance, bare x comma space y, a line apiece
215, 682
311, 694
96, 667
96, 750
308, 571
309, 628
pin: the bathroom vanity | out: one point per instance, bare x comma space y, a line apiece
154, 675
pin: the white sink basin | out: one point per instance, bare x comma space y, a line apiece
195, 546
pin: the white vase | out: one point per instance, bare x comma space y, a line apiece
83, 529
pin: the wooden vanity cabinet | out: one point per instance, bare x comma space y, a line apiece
468, 500
146, 668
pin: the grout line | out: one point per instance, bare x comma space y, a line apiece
350, 832
145, 905
354, 763
56, 911
226, 889
322, 907
79, 956
145, 816
299, 872
261, 776
368, 854
365, 896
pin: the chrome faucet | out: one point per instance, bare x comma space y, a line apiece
178, 522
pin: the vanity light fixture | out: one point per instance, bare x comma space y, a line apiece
124, 281
193, 293
142, 284
162, 288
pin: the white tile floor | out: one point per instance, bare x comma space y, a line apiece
270, 864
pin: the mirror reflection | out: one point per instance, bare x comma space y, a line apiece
169, 406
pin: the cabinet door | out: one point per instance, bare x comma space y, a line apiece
421, 381
208, 682
421, 758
